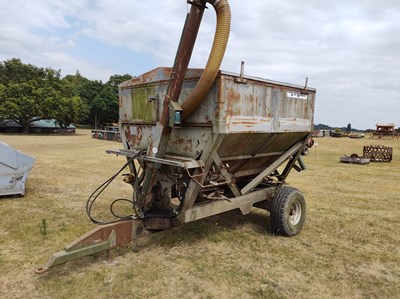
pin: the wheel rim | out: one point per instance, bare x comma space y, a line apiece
295, 213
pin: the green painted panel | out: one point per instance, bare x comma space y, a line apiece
144, 105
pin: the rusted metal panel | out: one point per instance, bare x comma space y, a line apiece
185, 142
256, 150
188, 142
247, 107
156, 75
125, 104
135, 94
243, 124
136, 136
294, 124
258, 143
263, 106
232, 107
204, 114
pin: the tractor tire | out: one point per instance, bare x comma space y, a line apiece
288, 212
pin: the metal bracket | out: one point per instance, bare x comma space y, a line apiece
193, 2
244, 203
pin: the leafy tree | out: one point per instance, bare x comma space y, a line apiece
89, 90
71, 110
107, 105
111, 90
13, 70
29, 93
348, 128
115, 80
2, 96
338, 130
101, 98
74, 82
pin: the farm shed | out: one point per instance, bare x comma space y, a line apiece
384, 130
109, 132
111, 135
44, 126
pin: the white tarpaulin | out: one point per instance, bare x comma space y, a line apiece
14, 170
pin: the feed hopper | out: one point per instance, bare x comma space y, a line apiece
225, 154
200, 142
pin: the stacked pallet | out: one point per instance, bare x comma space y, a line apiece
378, 153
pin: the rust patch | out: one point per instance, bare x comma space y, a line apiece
160, 74
133, 139
233, 96
216, 111
187, 144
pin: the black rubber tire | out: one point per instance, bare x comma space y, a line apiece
288, 211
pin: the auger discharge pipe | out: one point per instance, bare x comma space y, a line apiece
210, 72
183, 55
159, 147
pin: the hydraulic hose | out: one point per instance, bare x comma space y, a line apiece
210, 72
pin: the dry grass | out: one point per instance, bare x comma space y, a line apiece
349, 247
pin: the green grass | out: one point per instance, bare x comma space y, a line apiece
349, 246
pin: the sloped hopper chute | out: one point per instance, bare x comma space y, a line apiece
14, 170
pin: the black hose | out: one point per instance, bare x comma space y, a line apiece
96, 193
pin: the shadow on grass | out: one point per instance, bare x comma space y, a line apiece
214, 229
12, 197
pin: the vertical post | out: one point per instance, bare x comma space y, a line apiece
242, 71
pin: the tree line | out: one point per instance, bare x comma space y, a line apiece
29, 93
348, 128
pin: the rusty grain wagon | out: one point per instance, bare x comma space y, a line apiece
203, 142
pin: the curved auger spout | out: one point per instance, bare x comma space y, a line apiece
215, 59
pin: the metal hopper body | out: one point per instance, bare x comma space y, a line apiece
230, 146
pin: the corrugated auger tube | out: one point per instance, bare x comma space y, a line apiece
210, 72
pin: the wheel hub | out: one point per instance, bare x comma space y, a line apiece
295, 213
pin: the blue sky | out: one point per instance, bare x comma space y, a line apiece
349, 50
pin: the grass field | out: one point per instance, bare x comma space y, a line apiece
349, 246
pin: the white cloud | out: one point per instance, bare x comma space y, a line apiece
349, 50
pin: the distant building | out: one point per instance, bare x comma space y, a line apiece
321, 133
44, 126
110, 132
384, 130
